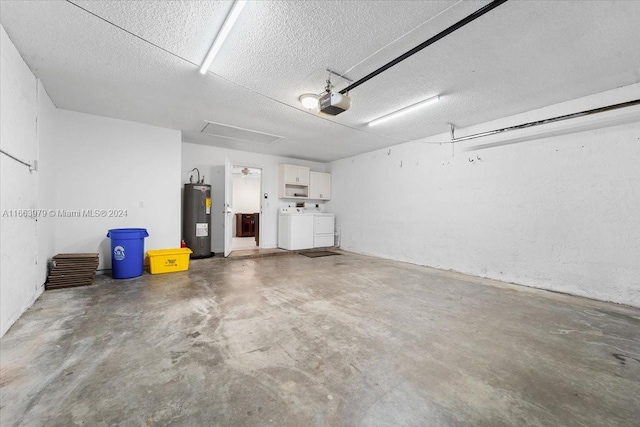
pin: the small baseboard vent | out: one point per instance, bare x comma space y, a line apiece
239, 134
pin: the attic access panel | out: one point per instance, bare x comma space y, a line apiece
240, 134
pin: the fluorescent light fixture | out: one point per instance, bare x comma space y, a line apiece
405, 110
309, 100
233, 15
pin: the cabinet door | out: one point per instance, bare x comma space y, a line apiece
290, 174
298, 175
302, 175
319, 186
248, 225
315, 182
325, 186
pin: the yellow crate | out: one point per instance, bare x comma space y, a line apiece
168, 260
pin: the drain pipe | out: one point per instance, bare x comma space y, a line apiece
478, 13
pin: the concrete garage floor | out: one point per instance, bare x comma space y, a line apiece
344, 340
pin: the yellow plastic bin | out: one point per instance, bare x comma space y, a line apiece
168, 260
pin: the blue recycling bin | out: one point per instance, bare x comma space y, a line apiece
127, 252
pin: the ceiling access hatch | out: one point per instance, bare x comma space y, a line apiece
240, 134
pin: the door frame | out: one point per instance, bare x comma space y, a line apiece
241, 164
226, 210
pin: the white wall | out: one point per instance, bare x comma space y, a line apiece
110, 164
18, 136
559, 212
46, 181
246, 194
211, 160
84, 162
19, 285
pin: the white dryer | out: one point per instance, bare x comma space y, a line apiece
323, 229
295, 229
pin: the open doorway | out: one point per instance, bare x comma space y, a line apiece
246, 182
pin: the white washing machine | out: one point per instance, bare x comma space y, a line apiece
295, 229
323, 229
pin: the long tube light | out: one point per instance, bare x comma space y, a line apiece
405, 110
231, 19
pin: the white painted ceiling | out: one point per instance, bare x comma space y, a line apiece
139, 60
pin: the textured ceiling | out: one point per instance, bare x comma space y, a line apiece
139, 60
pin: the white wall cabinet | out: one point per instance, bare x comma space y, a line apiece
298, 182
319, 186
293, 182
293, 174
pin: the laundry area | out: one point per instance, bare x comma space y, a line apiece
320, 213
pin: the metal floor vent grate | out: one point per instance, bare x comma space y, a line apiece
240, 134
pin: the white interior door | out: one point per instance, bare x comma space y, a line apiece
228, 209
